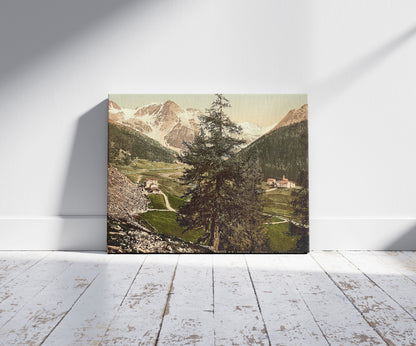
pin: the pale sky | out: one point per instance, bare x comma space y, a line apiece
261, 109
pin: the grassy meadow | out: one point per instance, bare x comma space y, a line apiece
165, 222
276, 204
156, 202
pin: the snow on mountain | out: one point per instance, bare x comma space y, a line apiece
112, 106
251, 131
114, 112
169, 124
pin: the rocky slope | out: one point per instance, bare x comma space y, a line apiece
128, 236
124, 199
125, 233
294, 116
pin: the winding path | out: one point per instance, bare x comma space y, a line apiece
167, 202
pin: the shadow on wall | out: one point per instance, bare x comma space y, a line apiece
407, 242
336, 84
327, 90
83, 205
25, 27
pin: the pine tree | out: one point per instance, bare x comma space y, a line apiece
300, 202
222, 189
247, 233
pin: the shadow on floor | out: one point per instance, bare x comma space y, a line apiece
407, 242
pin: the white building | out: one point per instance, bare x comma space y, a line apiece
151, 182
271, 181
285, 183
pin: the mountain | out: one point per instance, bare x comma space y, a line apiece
114, 112
169, 124
283, 150
166, 123
252, 131
125, 144
112, 105
294, 116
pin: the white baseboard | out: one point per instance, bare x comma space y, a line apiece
53, 233
363, 234
89, 233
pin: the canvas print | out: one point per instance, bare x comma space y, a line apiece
208, 174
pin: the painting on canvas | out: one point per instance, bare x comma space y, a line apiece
203, 173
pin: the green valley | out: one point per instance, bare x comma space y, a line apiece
276, 202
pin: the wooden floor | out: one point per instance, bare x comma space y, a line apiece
336, 298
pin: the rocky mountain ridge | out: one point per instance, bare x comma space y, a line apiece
170, 124
283, 150
292, 117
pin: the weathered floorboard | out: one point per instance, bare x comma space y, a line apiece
189, 318
238, 320
89, 319
13, 263
386, 276
392, 323
287, 317
339, 321
411, 255
403, 262
81, 299
34, 321
19, 291
139, 318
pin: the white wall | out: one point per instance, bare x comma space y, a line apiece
60, 59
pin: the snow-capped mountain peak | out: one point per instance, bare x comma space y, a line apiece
169, 124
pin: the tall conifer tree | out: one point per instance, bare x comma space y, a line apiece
223, 191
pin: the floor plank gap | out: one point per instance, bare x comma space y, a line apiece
124, 297
322, 298
66, 313
381, 288
257, 300
312, 314
13, 275
134, 279
90, 318
350, 300
167, 301
389, 320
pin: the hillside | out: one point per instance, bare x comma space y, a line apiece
125, 232
124, 199
292, 117
283, 151
125, 144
